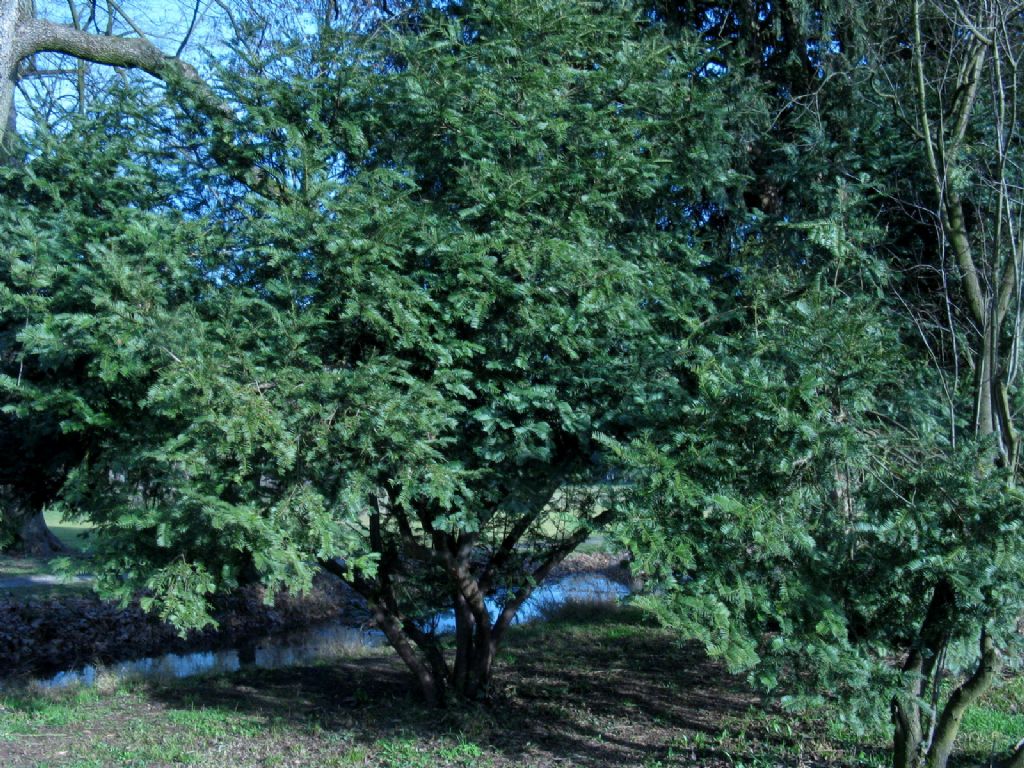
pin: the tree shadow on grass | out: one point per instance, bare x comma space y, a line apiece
604, 691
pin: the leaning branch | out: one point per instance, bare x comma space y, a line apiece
554, 556
41, 36
950, 205
963, 697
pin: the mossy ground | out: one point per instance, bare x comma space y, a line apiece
596, 687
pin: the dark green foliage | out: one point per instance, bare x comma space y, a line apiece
442, 299
472, 250
828, 508
808, 518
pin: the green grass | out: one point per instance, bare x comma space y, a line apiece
998, 721
28, 713
412, 752
596, 686
69, 532
201, 722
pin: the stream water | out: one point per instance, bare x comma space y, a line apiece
326, 640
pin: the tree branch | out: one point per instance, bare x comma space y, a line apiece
949, 722
191, 29
543, 570
42, 36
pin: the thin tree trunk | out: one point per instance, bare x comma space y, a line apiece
429, 684
464, 631
983, 411
8, 123
963, 697
431, 687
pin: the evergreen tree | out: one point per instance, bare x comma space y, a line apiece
883, 191
809, 519
472, 253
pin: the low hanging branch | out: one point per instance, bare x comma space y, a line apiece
40, 36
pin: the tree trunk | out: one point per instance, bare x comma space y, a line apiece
25, 531
36, 537
463, 642
970, 691
983, 407
10, 14
483, 653
922, 740
906, 718
912, 727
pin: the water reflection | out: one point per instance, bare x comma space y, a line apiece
318, 643
577, 587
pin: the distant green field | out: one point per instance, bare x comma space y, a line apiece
70, 535
69, 532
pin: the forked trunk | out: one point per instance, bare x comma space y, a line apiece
466, 674
923, 740
948, 725
467, 679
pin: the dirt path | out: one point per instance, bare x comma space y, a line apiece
41, 580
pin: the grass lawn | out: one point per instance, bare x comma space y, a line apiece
69, 533
596, 688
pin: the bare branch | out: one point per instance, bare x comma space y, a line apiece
191, 29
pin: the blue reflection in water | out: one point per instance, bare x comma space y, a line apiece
577, 587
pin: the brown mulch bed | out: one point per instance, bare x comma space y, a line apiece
42, 636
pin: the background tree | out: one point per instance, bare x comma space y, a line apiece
902, 120
816, 466
48, 61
